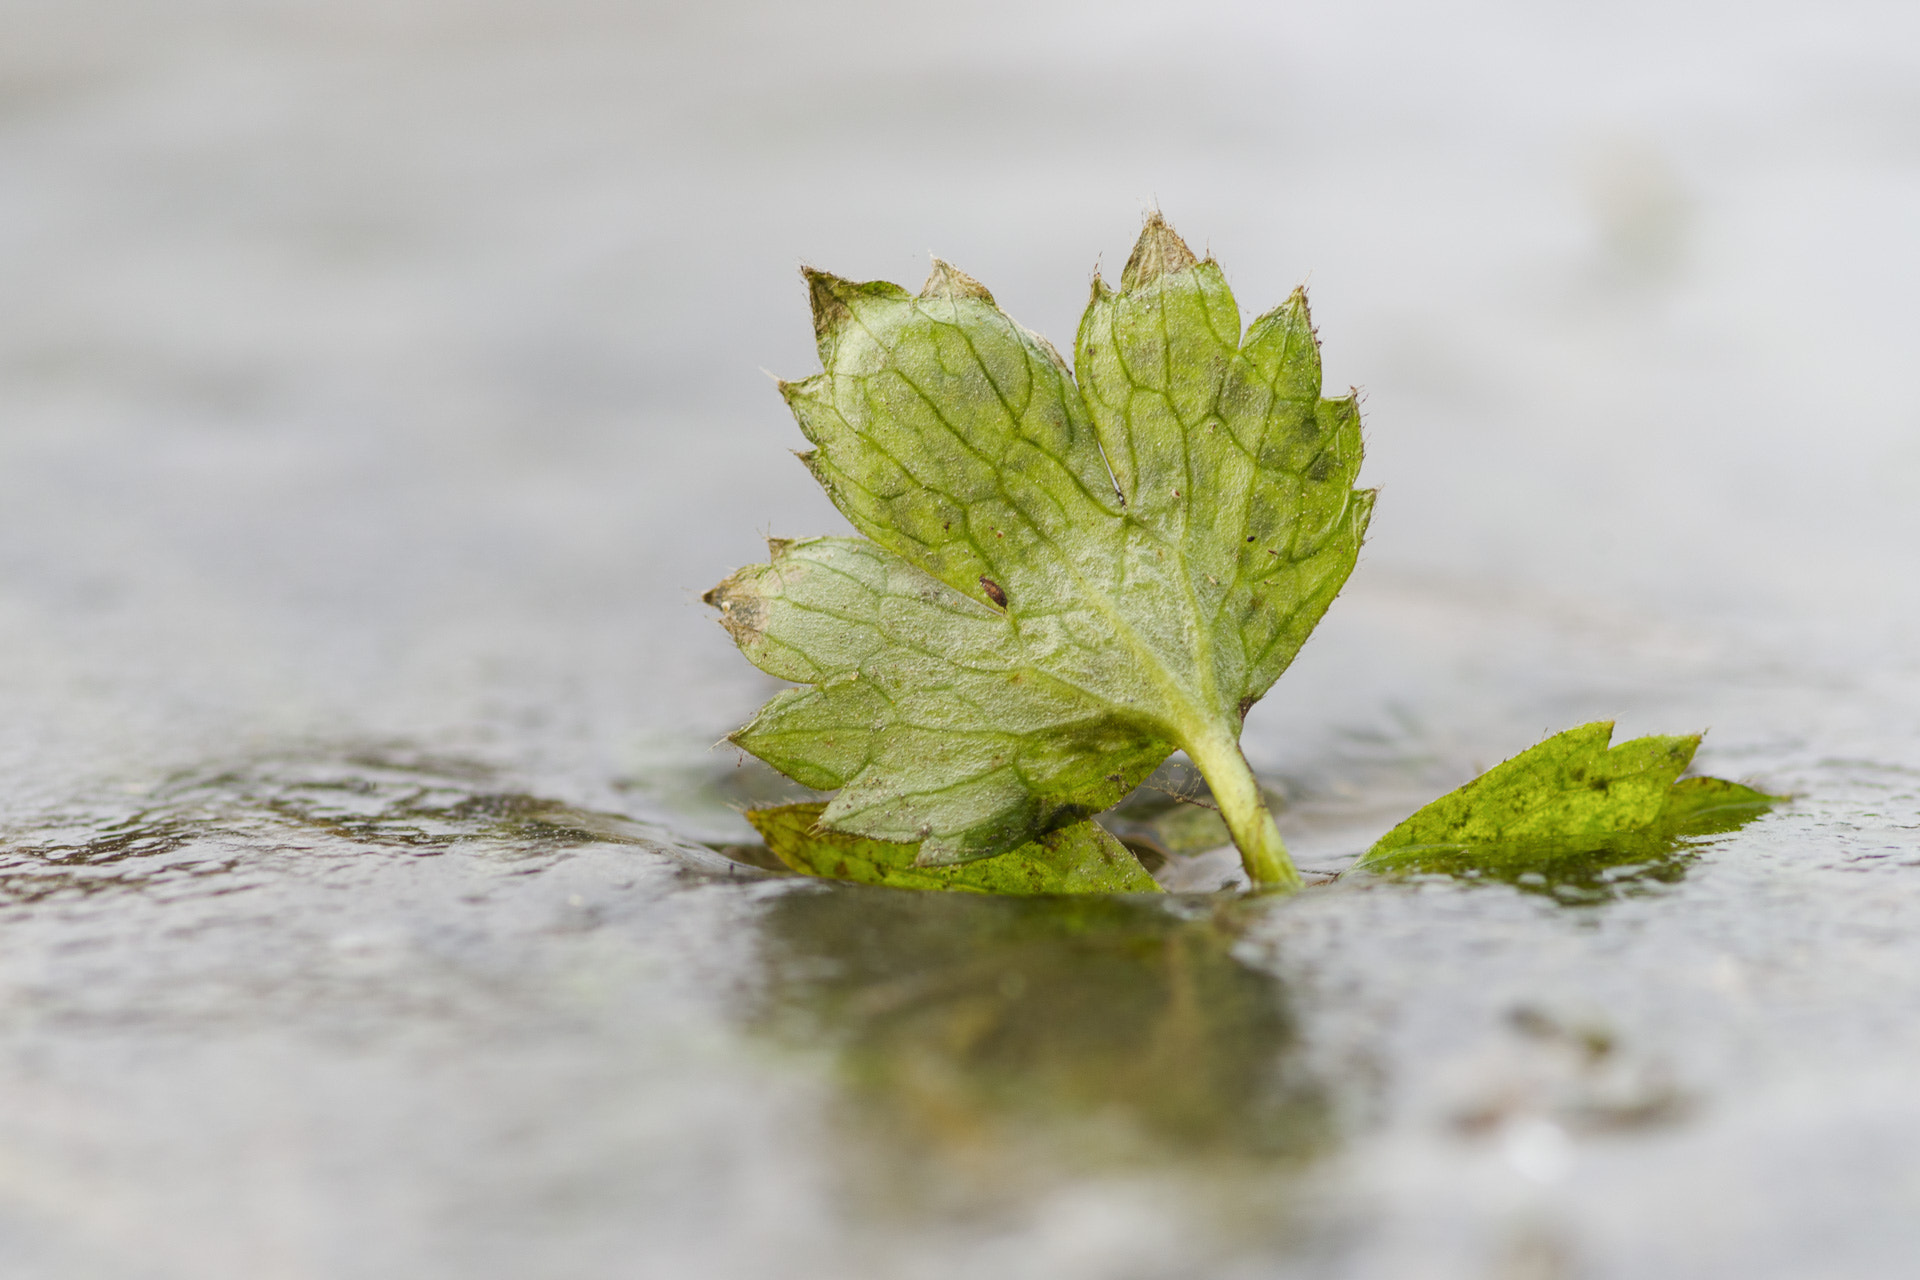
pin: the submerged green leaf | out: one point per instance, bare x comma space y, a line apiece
1080, 858
1569, 802
1065, 575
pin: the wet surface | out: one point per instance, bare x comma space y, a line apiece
379, 388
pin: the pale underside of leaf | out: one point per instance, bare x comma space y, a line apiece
922, 701
1069, 573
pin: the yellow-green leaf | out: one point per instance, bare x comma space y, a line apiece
1569, 797
1080, 858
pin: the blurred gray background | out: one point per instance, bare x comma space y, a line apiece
396, 373
352, 349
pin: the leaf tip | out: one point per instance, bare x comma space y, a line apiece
1159, 251
818, 468
1360, 510
830, 310
949, 283
743, 612
1299, 312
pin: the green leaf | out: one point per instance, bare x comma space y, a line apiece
1570, 797
1065, 575
1708, 806
1080, 858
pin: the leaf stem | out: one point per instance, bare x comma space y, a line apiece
1224, 766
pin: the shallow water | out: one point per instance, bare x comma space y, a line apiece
380, 385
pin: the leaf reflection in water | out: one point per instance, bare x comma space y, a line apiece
991, 1042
